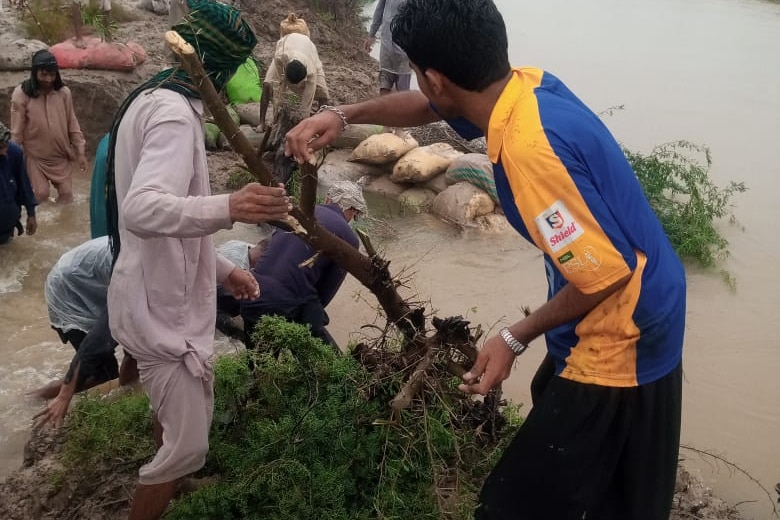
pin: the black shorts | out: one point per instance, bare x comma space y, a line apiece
589, 452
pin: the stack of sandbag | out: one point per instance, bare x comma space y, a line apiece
457, 187
293, 24
94, 53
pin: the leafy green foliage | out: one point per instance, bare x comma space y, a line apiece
300, 432
687, 202
299, 437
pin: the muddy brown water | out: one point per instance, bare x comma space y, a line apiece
703, 70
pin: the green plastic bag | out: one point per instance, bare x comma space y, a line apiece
244, 86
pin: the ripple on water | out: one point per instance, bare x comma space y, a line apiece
11, 277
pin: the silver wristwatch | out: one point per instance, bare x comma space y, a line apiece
512, 342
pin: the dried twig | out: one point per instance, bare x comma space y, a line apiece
735, 467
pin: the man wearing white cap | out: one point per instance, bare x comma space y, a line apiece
301, 293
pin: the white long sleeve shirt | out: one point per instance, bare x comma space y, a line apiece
162, 296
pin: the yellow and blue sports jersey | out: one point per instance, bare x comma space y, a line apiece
564, 184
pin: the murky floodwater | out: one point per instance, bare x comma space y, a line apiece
703, 70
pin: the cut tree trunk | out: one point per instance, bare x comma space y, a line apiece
372, 271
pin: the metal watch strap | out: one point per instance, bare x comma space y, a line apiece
512, 342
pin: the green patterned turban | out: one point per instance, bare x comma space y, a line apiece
221, 38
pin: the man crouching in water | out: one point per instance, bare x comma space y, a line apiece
161, 216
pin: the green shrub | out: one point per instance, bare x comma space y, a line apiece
687, 202
304, 434
93, 16
300, 437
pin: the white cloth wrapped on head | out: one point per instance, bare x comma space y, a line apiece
347, 194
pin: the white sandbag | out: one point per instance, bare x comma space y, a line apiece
419, 199
337, 167
461, 203
382, 149
424, 163
476, 169
384, 186
353, 135
248, 113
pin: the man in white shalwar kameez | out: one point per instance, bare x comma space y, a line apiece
161, 215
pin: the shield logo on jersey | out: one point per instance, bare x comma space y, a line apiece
555, 220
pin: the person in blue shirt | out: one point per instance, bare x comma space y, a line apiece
15, 190
602, 439
291, 285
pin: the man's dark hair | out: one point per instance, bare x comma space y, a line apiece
463, 39
295, 71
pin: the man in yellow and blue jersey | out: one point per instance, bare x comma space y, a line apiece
602, 439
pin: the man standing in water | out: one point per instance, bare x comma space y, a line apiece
44, 124
161, 215
602, 438
15, 190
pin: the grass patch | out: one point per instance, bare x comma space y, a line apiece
47, 20
237, 179
93, 16
51, 21
107, 429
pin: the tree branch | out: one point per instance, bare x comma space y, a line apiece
373, 274
236, 138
